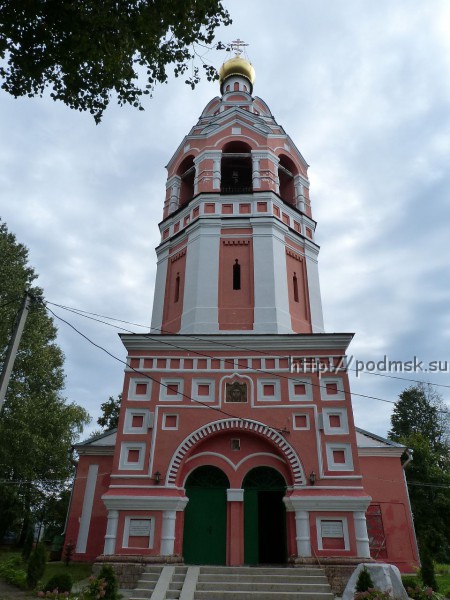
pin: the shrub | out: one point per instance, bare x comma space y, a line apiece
422, 593
108, 574
427, 574
28, 544
373, 594
61, 582
68, 553
94, 590
409, 581
11, 571
364, 581
36, 566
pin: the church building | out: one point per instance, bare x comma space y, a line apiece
236, 443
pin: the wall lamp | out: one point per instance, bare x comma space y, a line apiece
312, 478
157, 477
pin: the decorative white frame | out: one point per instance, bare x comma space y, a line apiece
340, 387
343, 520
134, 381
146, 424
261, 397
163, 388
212, 390
347, 465
308, 423
126, 530
293, 397
165, 427
124, 465
327, 428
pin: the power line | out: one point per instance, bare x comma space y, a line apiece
84, 313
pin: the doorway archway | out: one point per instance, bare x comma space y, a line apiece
205, 517
264, 517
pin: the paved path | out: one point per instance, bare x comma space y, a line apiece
10, 592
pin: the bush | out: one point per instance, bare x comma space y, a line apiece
108, 574
409, 581
364, 581
28, 544
61, 582
68, 553
11, 571
423, 593
373, 594
36, 566
426, 572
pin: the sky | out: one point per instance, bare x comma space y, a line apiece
363, 90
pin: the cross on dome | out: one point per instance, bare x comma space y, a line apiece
237, 46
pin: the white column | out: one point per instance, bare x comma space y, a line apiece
168, 532
86, 511
303, 534
197, 161
174, 199
256, 176
160, 290
362, 538
111, 532
299, 195
315, 298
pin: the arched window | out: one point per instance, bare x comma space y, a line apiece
186, 171
236, 169
295, 285
236, 275
286, 172
177, 288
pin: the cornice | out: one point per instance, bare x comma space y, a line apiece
332, 503
145, 502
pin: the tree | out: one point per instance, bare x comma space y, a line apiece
37, 425
111, 411
420, 422
86, 50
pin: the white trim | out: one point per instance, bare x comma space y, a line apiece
327, 503
134, 382
147, 420
123, 460
307, 426
145, 502
343, 521
261, 397
306, 381
235, 495
165, 427
126, 531
342, 414
86, 511
164, 395
340, 388
347, 465
196, 382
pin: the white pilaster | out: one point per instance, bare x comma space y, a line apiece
201, 295
271, 292
303, 533
256, 176
111, 532
168, 532
299, 194
86, 511
160, 290
315, 299
362, 538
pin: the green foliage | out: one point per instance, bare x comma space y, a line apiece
28, 543
420, 422
426, 573
12, 571
373, 594
423, 593
37, 425
409, 581
68, 553
36, 566
364, 581
95, 589
62, 583
108, 574
111, 411
86, 50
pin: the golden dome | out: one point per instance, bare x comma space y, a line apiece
237, 66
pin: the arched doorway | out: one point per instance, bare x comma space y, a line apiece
205, 517
264, 517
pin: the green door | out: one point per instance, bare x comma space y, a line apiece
264, 517
205, 517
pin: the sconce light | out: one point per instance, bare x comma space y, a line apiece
312, 478
157, 477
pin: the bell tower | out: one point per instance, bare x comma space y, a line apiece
237, 251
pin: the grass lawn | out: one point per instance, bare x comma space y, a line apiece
443, 578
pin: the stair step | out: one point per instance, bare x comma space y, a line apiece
269, 586
256, 578
240, 595
262, 570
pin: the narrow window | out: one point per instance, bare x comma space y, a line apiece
295, 282
236, 275
236, 86
177, 288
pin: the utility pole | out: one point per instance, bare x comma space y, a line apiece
13, 345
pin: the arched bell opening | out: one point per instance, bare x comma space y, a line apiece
286, 173
236, 169
186, 172
264, 517
205, 517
